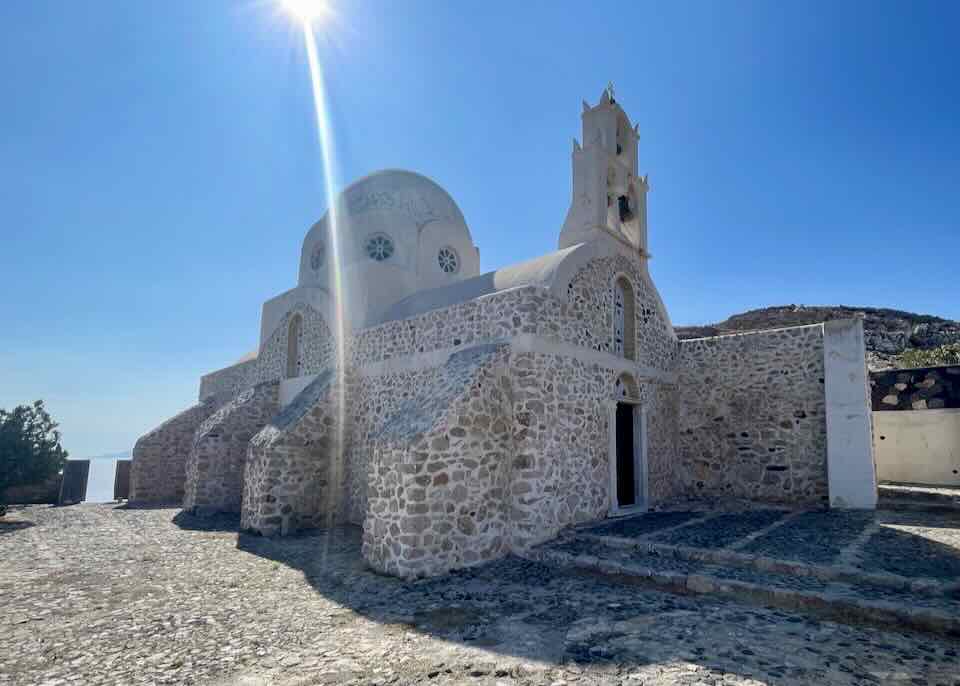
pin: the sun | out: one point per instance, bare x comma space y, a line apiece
307, 10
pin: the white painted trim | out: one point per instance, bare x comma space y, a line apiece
536, 344
524, 343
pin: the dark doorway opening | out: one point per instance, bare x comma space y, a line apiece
626, 466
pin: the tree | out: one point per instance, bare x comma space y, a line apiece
30, 450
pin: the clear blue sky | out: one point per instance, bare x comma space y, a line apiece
159, 164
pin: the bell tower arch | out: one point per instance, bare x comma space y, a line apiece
609, 195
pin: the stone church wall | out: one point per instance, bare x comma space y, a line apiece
215, 465
227, 381
439, 467
496, 316
561, 468
289, 470
752, 415
158, 471
585, 320
415, 437
316, 347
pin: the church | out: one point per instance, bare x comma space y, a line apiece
458, 416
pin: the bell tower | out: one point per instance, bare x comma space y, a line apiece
609, 197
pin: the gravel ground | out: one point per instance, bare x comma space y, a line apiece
96, 595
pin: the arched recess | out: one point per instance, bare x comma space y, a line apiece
626, 388
624, 319
294, 336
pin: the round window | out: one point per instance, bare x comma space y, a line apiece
379, 247
448, 260
317, 256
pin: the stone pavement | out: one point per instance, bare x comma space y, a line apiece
96, 595
897, 568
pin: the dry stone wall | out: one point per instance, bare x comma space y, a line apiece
752, 415
158, 472
215, 465
926, 388
439, 468
292, 473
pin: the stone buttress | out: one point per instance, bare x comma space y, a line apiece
215, 466
439, 470
292, 463
158, 471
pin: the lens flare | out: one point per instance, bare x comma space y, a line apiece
307, 11
337, 284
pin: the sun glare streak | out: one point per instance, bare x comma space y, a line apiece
325, 137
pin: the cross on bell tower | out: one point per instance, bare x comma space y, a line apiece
608, 194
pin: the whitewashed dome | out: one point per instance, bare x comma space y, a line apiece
399, 233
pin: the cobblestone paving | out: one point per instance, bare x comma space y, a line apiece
720, 531
95, 595
812, 537
629, 527
914, 544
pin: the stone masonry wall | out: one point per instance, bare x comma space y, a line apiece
586, 320
293, 462
561, 470
410, 430
927, 388
215, 465
590, 313
228, 381
158, 471
752, 415
439, 468
316, 347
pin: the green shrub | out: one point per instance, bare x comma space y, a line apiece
930, 357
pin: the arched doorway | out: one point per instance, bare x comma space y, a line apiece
628, 454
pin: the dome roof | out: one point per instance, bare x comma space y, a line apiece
398, 233
404, 193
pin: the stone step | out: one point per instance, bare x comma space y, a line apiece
764, 565
847, 601
918, 498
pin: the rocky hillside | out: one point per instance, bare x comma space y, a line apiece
887, 332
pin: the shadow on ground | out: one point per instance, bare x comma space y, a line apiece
527, 610
8, 526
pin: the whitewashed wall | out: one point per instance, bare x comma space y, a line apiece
921, 447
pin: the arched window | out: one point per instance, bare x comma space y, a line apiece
624, 319
294, 334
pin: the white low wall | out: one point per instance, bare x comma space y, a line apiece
921, 446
